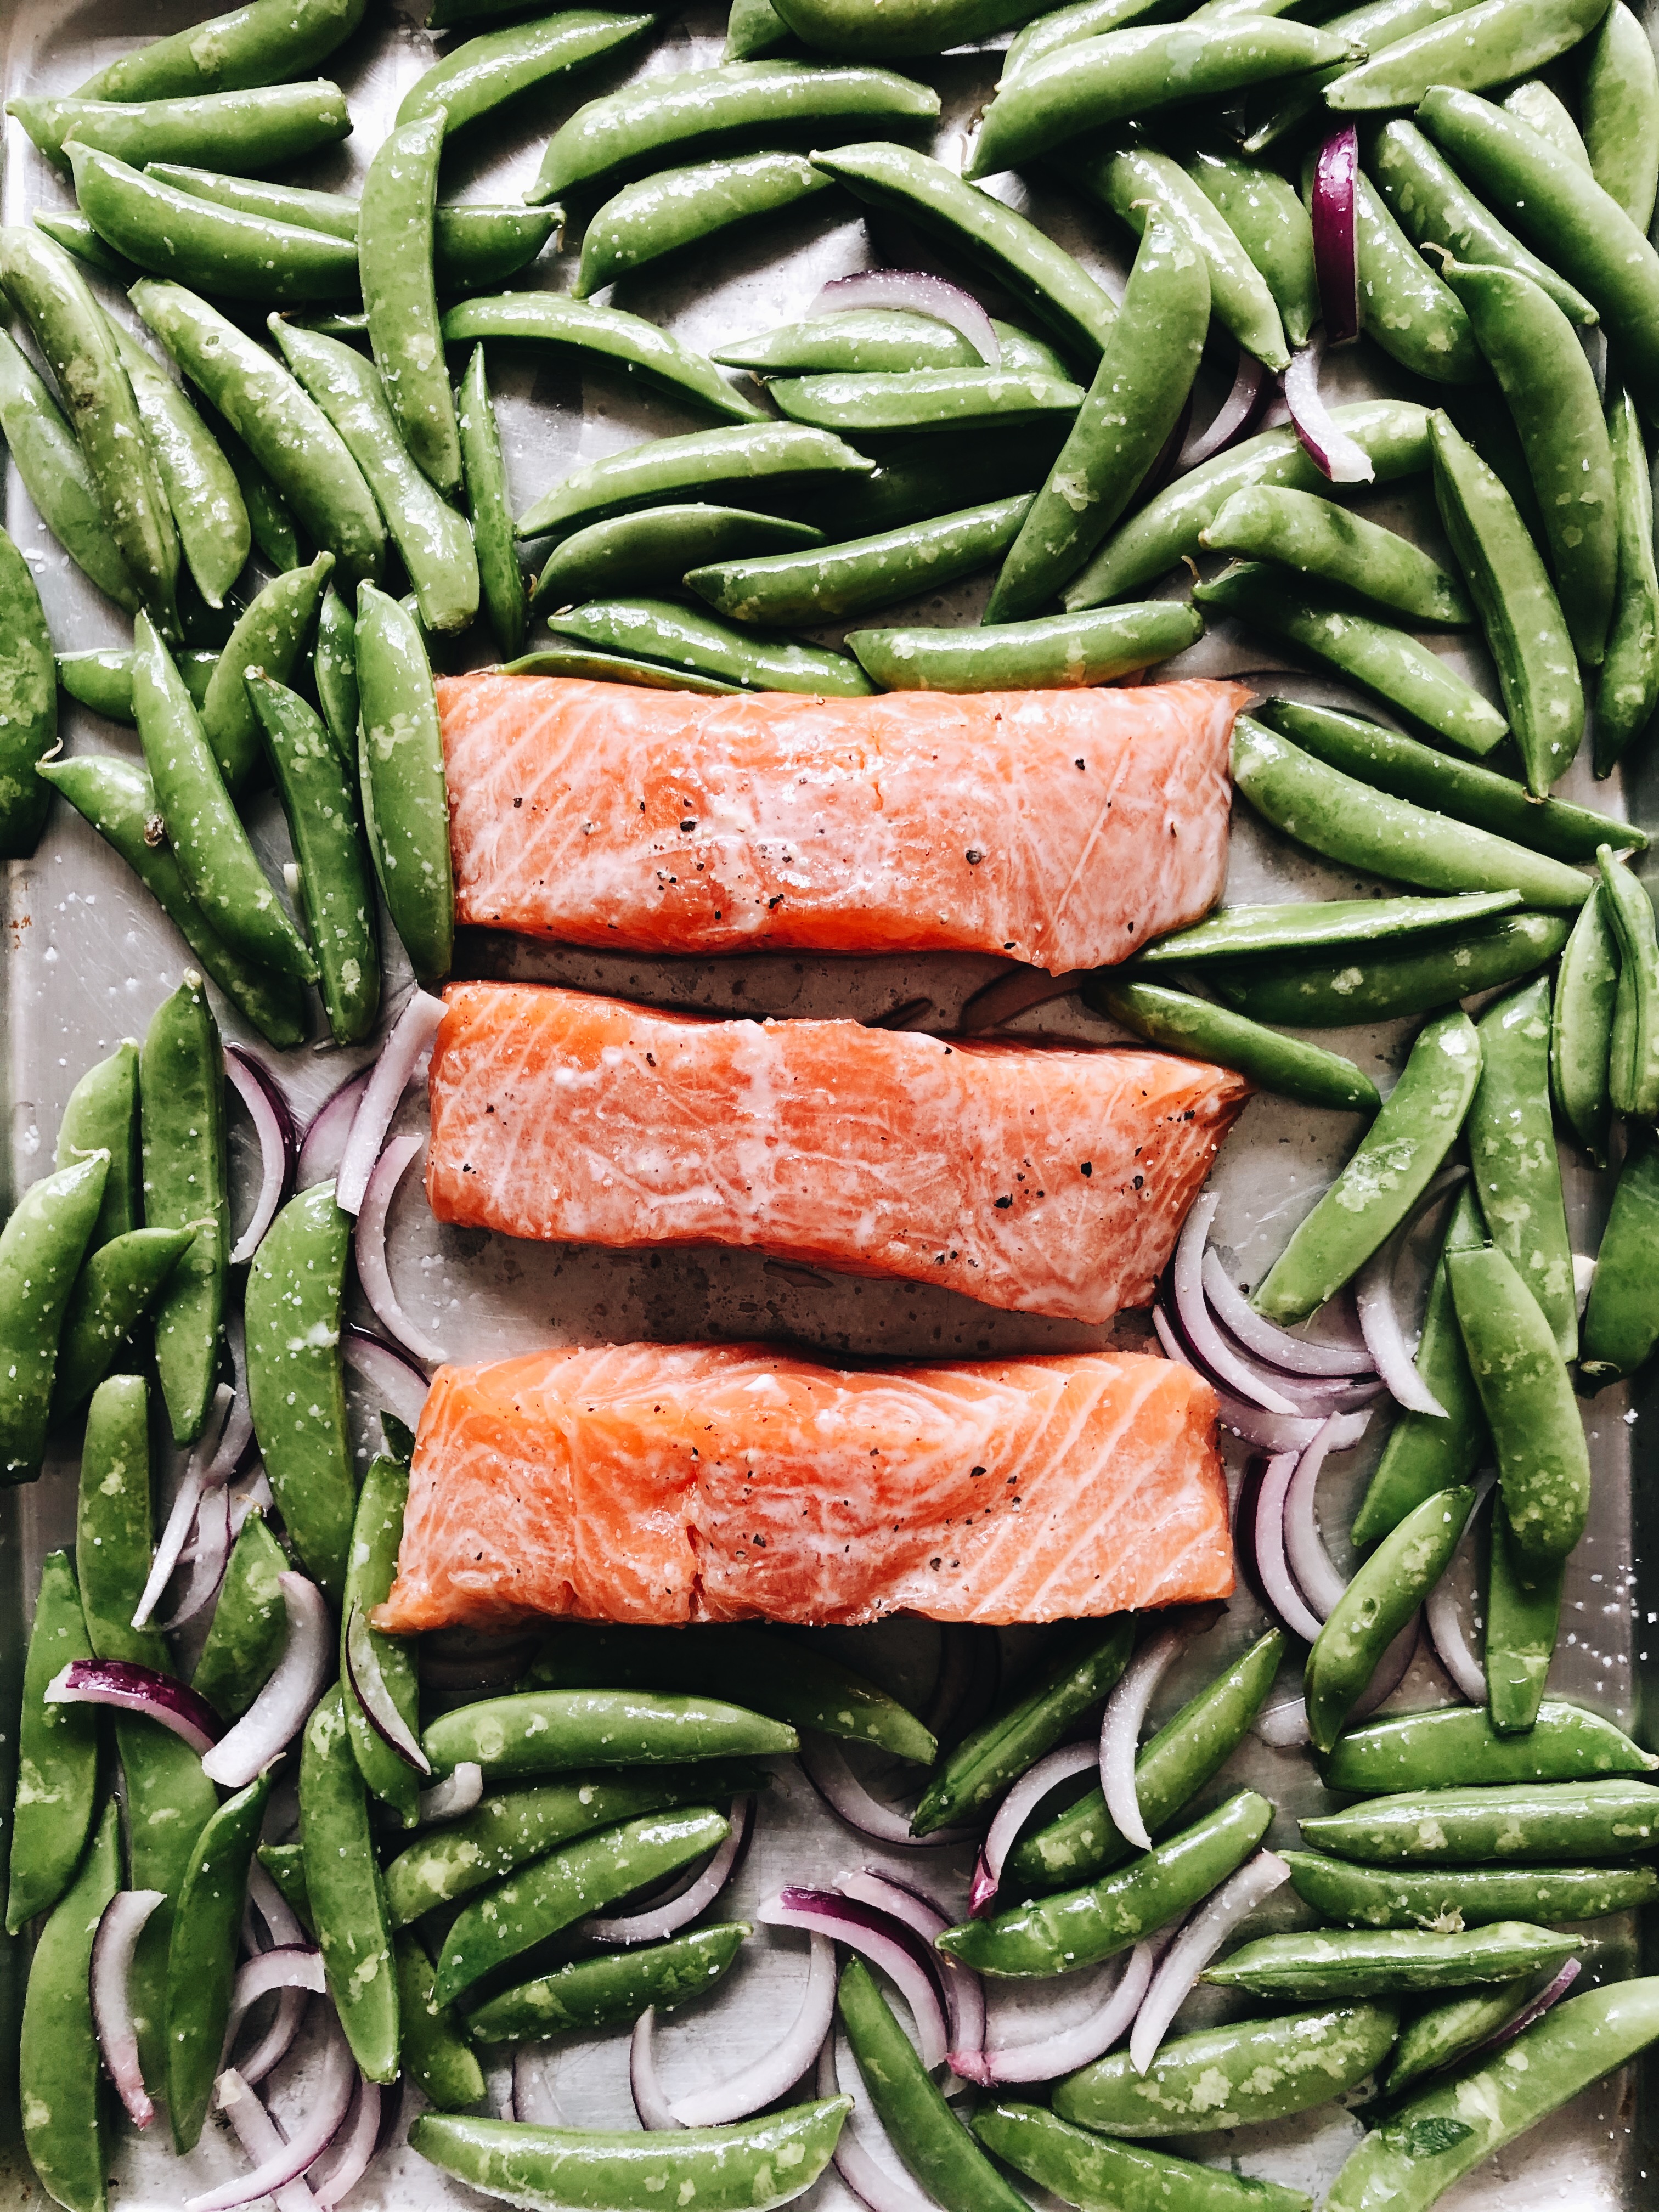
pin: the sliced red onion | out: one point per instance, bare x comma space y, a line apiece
411, 1035
1284, 1726
1119, 1730
1445, 1623
1267, 1540
1390, 1671
353, 2147
1206, 1340
1016, 993
1339, 458
369, 1688
256, 1498
1271, 1432
1201, 1936
278, 2040
886, 1942
872, 2184
964, 1992
1062, 2052
119, 1927
1275, 1345
770, 2075
130, 1689
326, 1134
182, 1517
297, 1971
261, 2138
645, 2084
1379, 1316
237, 1433
825, 1766
402, 1387
279, 2163
368, 1246
1305, 1547
279, 1712
1531, 2013
674, 1913
458, 1793
209, 1557
914, 293
273, 1125
281, 1923
1336, 251
1229, 419
1015, 1810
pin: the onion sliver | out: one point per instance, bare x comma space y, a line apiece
1335, 226
330, 1126
1284, 1726
1532, 2011
209, 1557
279, 2162
458, 1793
872, 2184
1193, 1949
1268, 1538
1051, 2056
182, 1517
915, 292
1016, 993
121, 1924
1032, 1787
825, 1767
130, 1689
1379, 1315
297, 1971
279, 1712
1209, 1345
1271, 1432
1445, 1625
274, 1128
778, 2068
369, 1245
645, 2085
353, 2148
1338, 458
658, 1921
1229, 419
1119, 1731
886, 1943
964, 1992
1316, 1577
369, 1688
394, 1377
281, 1923
412, 1034
1275, 1345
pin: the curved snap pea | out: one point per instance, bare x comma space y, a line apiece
1103, 2176
1438, 2037
656, 546
860, 340
1381, 657
674, 209
433, 540
260, 129
395, 255
1119, 75
117, 1284
295, 1380
1080, 1927
202, 1957
1069, 26
101, 1113
182, 1121
544, 1731
753, 28
1458, 1743
685, 637
115, 796
209, 511
432, 2048
1523, 1617
254, 44
1619, 104
56, 1754
286, 432
638, 348
1512, 1139
580, 1877
248, 1632
1546, 113
1491, 44
41, 1249
1322, 1964
1404, 308
1054, 652
1382, 1595
1262, 211
49, 291
401, 779
668, 468
611, 1991
1543, 1464
1348, 822
1458, 1897
336, 893
614, 668
1393, 1164
1234, 932
1405, 769
1633, 1048
1141, 385
270, 636
1438, 2135
994, 239
1560, 212
1170, 1769
28, 685
924, 399
269, 520
1518, 1823
646, 121
748, 2167
1318, 539
483, 470
1307, 992
910, 2105
1621, 1321
918, 26
334, 669
101, 678
371, 1563
825, 582
1393, 432
76, 236
347, 1898
1378, 24
473, 79
790, 1682
212, 847
1226, 2077
1586, 990
1182, 1022
60, 2082
1024, 1727
48, 458
113, 1528
1629, 690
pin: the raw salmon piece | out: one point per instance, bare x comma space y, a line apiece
1050, 1179
669, 1483
1061, 828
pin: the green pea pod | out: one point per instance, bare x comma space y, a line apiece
271, 636
1381, 1598
924, 399
117, 1285
113, 1526
28, 684
1517, 1174
401, 777
1586, 988
269, 519
213, 849
614, 668
1377, 24
248, 1632
76, 236
1245, 2073
1524, 1619
1621, 1321
1395, 1163
1629, 690
371, 1565
1054, 652
673, 209
685, 637
182, 1086
737, 558
347, 1897
474, 79
55, 475
1405, 769
208, 508
1355, 1962
1080, 1927
1619, 101
1170, 1770
1517, 1824
845, 26
101, 678
1182, 1023
821, 583
1459, 1743
202, 1957
259, 129
395, 250
1140, 388
611, 1991
56, 1754
1235, 932
580, 1877
1458, 1897
1349, 822
1261, 210
1491, 44
296, 1381
334, 666
1379, 657
548, 1731
1436, 2040
484, 472
60, 2086
754, 28
49, 291
101, 1115
1309, 993
116, 798
433, 2050
858, 341
1323, 541
638, 348
1404, 308
1433, 206
647, 476
1069, 26
254, 44
41, 1249
748, 2167
286, 432
285, 1864
1633, 1052
1089, 2170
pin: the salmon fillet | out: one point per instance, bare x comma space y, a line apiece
671, 1483
1048, 1179
1060, 828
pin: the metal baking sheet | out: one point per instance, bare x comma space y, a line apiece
88, 957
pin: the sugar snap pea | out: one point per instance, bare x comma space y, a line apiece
1629, 690
1619, 102
924, 399
101, 1113
1512, 1139
59, 2085
844, 26
473, 79
401, 778
28, 686
1261, 210
257, 44
202, 1957
432, 2048
1458, 1743
1320, 539
611, 1991
56, 1754
1070, 25
118, 1284
334, 669
483, 469
269, 519
1581, 1026
1524, 1619
395, 254
673, 209
76, 236
101, 678
1517, 1823
1404, 308
113, 1528
248, 1632
259, 129
731, 552
209, 511
1105, 2176
1621, 1321
686, 637
371, 1563
1491, 44
614, 668
41, 1249
1235, 932
285, 1864
271, 635
182, 1090
1355, 1962
638, 348
670, 468
48, 458
1459, 1897
1633, 1048
1543, 110
347, 1897
548, 1731
755, 28
1377, 24
1307, 991
1053, 653
863, 339
1433, 2041
1381, 1598
1180, 1021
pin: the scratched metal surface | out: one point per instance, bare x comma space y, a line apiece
87, 959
